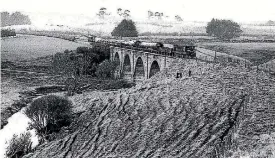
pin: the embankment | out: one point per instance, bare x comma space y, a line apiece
205, 115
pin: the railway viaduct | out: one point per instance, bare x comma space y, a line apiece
138, 65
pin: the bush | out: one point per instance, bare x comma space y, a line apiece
19, 146
48, 114
19, 104
82, 49
223, 29
126, 28
107, 69
7, 32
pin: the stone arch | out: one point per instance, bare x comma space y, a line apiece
154, 68
127, 63
118, 68
116, 57
127, 67
139, 73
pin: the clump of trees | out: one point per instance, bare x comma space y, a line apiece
19, 146
106, 69
223, 29
82, 61
7, 32
16, 18
126, 28
48, 115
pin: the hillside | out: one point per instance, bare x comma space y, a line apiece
219, 111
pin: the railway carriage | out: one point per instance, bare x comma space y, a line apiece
154, 47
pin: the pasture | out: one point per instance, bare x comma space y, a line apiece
257, 53
25, 47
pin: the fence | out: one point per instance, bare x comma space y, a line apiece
226, 59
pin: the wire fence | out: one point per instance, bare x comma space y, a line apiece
226, 59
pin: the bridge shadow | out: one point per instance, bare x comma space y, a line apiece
139, 74
154, 69
127, 74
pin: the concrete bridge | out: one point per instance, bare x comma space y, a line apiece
138, 65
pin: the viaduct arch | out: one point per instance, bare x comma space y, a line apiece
154, 69
138, 65
139, 73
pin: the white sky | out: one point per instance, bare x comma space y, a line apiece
190, 10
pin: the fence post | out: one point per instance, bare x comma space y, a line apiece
215, 57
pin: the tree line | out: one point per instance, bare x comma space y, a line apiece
223, 29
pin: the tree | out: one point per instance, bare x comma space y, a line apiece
5, 19
126, 28
178, 18
7, 32
102, 12
107, 69
48, 114
150, 14
126, 14
19, 145
223, 29
119, 10
16, 18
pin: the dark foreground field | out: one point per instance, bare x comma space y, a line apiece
220, 111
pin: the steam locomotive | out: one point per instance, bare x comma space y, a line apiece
157, 47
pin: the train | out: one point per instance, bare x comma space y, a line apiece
187, 51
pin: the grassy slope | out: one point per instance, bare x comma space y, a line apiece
205, 115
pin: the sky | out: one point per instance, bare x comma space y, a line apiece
189, 10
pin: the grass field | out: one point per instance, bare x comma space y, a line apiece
257, 53
25, 47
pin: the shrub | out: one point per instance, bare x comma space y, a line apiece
223, 29
106, 69
126, 28
48, 114
82, 49
19, 146
7, 32
19, 104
